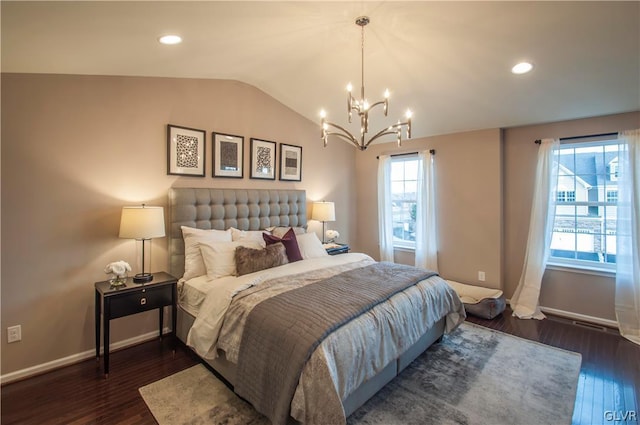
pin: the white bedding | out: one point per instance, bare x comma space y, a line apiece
347, 357
219, 292
192, 292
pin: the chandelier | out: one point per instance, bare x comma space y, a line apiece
362, 107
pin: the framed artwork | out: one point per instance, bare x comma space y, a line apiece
263, 159
290, 162
228, 155
185, 151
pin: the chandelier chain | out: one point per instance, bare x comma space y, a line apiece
362, 61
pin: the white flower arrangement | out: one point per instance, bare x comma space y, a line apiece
332, 235
118, 268
118, 271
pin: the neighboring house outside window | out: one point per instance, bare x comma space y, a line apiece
404, 186
584, 232
613, 169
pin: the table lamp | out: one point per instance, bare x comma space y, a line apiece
142, 223
323, 211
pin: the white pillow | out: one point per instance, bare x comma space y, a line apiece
220, 257
280, 230
193, 263
310, 246
249, 235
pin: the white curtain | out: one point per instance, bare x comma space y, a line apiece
524, 301
627, 300
426, 240
385, 213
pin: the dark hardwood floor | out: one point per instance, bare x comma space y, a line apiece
609, 383
79, 394
608, 387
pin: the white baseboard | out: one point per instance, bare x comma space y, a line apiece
75, 358
581, 317
577, 316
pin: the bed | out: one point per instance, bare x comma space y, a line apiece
346, 366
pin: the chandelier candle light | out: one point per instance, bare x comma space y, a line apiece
362, 107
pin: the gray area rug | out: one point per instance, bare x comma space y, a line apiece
475, 376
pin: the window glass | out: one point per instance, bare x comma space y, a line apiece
584, 231
404, 183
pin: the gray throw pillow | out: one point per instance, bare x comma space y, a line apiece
249, 260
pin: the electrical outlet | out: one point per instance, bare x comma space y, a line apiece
481, 276
14, 333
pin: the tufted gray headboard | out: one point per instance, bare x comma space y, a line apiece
244, 209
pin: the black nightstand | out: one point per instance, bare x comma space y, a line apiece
131, 299
340, 249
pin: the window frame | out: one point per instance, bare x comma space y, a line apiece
403, 244
574, 264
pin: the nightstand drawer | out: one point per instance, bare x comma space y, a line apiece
138, 301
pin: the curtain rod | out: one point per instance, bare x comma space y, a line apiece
582, 137
431, 151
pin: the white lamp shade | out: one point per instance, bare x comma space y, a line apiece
324, 211
142, 222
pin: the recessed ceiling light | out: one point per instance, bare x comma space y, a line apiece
170, 39
522, 68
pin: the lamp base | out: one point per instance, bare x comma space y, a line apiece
142, 278
324, 232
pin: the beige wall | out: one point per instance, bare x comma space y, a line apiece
586, 294
484, 184
75, 149
469, 210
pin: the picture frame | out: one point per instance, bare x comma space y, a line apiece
263, 159
186, 149
290, 162
227, 155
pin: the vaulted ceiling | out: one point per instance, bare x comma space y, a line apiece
449, 62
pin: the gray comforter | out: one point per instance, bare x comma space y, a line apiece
355, 352
281, 332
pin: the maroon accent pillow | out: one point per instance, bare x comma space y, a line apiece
290, 244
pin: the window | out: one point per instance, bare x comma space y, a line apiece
584, 231
566, 196
404, 186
